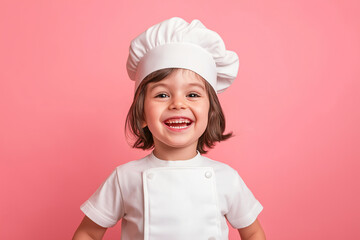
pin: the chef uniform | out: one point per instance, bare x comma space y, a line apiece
183, 199
173, 200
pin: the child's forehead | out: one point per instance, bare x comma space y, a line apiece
186, 75
182, 76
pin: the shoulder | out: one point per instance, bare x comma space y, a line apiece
133, 166
129, 174
221, 168
217, 164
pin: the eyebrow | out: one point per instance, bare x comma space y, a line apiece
198, 85
159, 84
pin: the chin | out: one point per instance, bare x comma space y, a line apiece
180, 144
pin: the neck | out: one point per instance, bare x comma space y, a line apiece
164, 152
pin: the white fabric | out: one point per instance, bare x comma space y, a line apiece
175, 43
177, 199
160, 200
178, 55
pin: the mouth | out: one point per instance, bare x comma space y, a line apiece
178, 123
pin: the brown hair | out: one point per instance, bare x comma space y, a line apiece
143, 137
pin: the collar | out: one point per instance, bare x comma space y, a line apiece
195, 161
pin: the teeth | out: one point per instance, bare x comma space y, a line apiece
178, 121
178, 127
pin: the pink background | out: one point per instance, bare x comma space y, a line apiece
294, 108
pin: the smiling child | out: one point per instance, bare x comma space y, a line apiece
175, 193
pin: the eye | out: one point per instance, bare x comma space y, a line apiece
162, 95
193, 95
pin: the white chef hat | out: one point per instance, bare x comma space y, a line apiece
175, 43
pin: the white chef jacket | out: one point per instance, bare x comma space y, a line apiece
162, 200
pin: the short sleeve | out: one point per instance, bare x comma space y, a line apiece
244, 207
105, 206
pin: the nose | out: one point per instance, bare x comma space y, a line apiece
178, 102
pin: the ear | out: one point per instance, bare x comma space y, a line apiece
143, 124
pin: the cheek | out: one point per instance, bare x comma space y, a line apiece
151, 113
203, 114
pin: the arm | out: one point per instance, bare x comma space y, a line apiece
88, 230
252, 232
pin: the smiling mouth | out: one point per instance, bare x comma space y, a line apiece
178, 123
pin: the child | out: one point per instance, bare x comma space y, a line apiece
174, 192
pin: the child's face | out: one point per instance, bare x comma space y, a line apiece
176, 110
